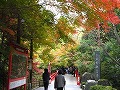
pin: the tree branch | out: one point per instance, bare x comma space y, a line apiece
116, 34
114, 60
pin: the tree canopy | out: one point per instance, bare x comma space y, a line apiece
51, 25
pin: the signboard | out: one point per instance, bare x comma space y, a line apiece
17, 83
19, 63
18, 59
97, 65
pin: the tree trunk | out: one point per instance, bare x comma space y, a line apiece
31, 58
18, 30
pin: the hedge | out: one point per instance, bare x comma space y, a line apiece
100, 87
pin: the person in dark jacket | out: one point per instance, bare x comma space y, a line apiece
59, 83
46, 78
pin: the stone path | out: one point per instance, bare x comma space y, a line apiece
71, 84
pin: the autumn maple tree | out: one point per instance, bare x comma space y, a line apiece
95, 12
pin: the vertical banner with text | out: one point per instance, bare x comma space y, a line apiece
97, 65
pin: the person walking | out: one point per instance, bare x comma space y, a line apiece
46, 78
59, 82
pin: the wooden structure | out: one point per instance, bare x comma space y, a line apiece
17, 70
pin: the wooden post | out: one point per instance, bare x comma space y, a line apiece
31, 58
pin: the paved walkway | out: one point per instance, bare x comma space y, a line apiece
71, 84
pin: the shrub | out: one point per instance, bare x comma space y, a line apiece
104, 82
100, 87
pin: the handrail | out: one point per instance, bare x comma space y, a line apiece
77, 77
52, 76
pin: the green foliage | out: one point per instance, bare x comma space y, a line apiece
5, 51
86, 56
91, 66
110, 58
99, 87
111, 72
64, 28
104, 82
82, 56
4, 55
38, 22
46, 57
82, 68
117, 11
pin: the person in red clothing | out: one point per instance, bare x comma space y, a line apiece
59, 83
46, 78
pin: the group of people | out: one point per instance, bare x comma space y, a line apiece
71, 70
59, 82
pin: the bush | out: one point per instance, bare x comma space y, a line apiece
100, 87
90, 83
104, 82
